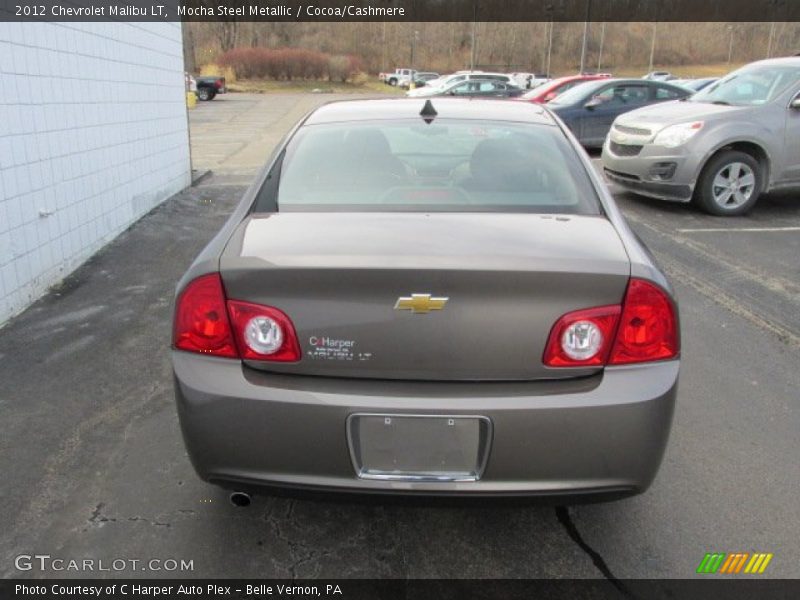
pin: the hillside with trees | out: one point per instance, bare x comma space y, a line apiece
446, 47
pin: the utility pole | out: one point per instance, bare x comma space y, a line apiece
549, 50
413, 47
583, 47
602, 40
472, 50
383, 65
586, 34
730, 45
653, 45
771, 35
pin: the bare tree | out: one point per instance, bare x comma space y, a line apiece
447, 47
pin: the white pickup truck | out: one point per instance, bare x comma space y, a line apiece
400, 77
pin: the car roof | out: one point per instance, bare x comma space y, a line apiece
570, 78
394, 109
620, 81
790, 61
574, 77
479, 73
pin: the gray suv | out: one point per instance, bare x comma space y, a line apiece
722, 147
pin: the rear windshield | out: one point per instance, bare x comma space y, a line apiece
404, 165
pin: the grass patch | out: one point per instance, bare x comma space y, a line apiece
262, 86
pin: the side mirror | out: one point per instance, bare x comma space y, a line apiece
795, 104
592, 104
550, 96
452, 92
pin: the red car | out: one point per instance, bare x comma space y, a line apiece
551, 89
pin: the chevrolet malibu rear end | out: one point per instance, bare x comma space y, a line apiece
427, 297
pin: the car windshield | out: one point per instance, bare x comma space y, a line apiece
444, 166
749, 86
576, 93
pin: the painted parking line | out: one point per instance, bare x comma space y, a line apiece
738, 229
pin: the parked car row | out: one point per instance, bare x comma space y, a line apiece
719, 142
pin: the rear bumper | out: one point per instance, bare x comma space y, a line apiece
601, 435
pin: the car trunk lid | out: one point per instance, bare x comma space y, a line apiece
356, 287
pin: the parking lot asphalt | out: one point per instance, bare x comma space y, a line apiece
94, 465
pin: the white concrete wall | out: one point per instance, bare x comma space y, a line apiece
93, 134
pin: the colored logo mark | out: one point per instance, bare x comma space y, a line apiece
735, 563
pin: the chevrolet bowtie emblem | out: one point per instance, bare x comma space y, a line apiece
420, 303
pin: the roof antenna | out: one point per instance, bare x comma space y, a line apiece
428, 112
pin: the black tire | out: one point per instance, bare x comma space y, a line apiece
205, 94
393, 82
725, 187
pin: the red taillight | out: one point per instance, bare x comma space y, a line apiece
207, 323
601, 321
201, 320
643, 329
218, 83
648, 327
245, 314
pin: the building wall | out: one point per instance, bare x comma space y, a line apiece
93, 135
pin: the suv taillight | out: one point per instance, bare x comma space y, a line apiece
643, 329
207, 323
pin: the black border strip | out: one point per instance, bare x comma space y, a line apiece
719, 588
401, 10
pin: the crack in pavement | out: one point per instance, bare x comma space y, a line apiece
98, 519
300, 553
562, 513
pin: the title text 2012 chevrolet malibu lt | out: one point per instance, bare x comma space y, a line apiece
427, 297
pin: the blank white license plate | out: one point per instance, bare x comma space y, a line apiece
419, 447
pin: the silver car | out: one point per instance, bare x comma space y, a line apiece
427, 297
723, 147
435, 87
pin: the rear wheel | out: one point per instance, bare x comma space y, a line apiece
393, 81
205, 94
730, 184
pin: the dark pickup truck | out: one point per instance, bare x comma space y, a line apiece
209, 87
